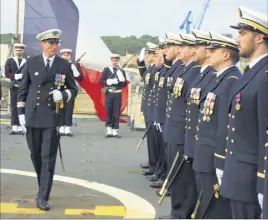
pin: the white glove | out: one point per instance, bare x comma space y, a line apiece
219, 174
142, 54
260, 198
57, 96
18, 76
120, 76
159, 127
22, 122
75, 71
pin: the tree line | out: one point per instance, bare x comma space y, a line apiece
116, 44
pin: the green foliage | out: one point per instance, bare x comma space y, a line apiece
127, 45
6, 38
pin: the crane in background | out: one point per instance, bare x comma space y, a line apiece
186, 25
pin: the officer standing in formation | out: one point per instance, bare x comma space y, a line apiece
66, 113
12, 66
216, 121
212, 119
248, 116
47, 79
158, 111
114, 79
148, 54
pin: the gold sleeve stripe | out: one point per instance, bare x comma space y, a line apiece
167, 66
261, 175
219, 156
20, 104
140, 67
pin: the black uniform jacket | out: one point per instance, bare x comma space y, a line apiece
33, 97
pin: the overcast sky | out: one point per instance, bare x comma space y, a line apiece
138, 17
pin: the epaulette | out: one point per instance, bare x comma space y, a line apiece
233, 77
167, 66
140, 67
197, 66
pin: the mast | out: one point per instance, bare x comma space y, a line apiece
17, 20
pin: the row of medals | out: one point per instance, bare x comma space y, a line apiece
208, 109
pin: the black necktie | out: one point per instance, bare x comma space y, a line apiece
47, 66
19, 60
246, 69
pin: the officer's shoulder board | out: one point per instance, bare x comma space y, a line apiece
233, 77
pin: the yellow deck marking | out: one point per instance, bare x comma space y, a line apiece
11, 208
99, 211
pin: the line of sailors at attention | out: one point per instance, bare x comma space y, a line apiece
207, 121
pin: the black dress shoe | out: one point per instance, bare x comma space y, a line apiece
144, 166
153, 178
166, 217
69, 134
117, 136
108, 135
42, 204
13, 133
157, 184
147, 172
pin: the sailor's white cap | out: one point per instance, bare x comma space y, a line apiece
66, 50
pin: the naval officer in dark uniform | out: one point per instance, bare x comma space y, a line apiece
212, 118
158, 117
265, 192
47, 79
147, 55
114, 78
247, 118
66, 113
202, 40
12, 66
183, 191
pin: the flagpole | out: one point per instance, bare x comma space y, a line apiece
17, 20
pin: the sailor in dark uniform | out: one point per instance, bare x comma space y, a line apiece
47, 79
114, 77
202, 40
11, 67
212, 118
66, 113
265, 192
248, 107
148, 54
183, 191
158, 117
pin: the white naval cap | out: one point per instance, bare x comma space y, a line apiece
50, 35
252, 20
151, 47
161, 42
201, 37
66, 50
187, 39
173, 39
114, 55
221, 41
20, 45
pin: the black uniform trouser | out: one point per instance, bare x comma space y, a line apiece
210, 206
13, 100
161, 167
183, 189
113, 102
42, 143
242, 210
152, 154
66, 113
